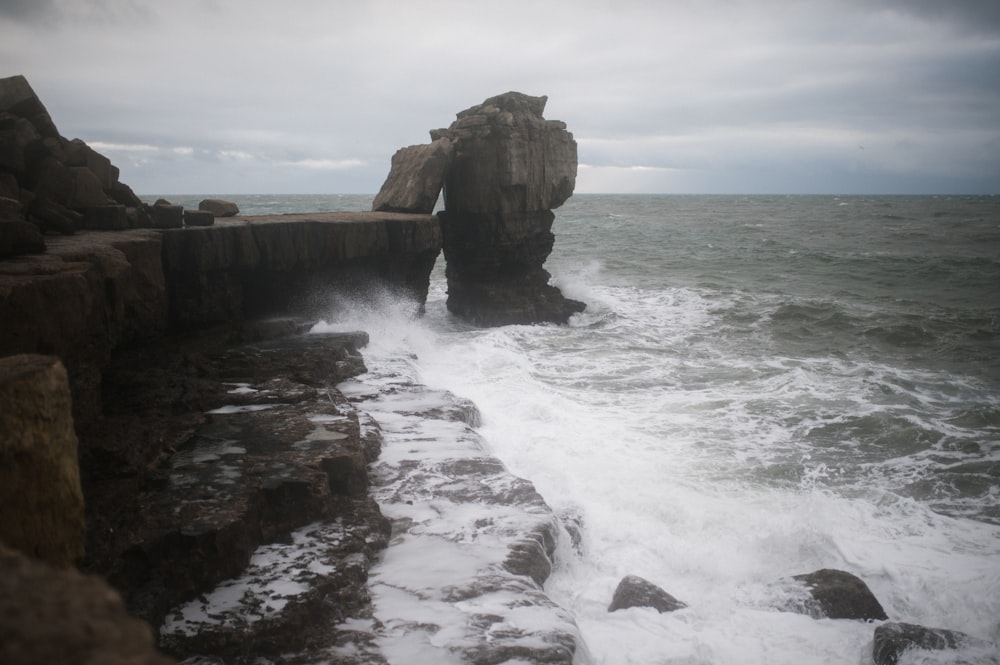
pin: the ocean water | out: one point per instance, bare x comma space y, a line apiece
761, 386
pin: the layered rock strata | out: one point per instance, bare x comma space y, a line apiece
503, 168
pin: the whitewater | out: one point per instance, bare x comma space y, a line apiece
760, 387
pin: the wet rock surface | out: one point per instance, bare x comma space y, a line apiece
836, 594
894, 641
247, 444
634, 591
471, 543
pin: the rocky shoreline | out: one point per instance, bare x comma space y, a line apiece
171, 427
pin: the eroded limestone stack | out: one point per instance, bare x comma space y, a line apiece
503, 168
510, 168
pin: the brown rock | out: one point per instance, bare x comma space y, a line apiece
60, 616
17, 97
219, 207
415, 178
39, 477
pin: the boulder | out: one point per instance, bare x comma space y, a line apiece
86, 191
836, 594
219, 207
62, 616
166, 216
510, 168
19, 237
39, 475
892, 640
415, 178
199, 218
634, 591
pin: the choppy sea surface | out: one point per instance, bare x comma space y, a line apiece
761, 386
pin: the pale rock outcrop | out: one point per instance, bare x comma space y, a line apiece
219, 207
415, 178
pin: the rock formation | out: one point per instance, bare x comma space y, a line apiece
510, 169
892, 640
415, 178
837, 594
219, 207
39, 478
634, 591
60, 185
61, 616
504, 168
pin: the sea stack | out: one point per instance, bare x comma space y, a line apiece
509, 169
503, 168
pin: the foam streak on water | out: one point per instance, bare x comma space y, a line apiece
759, 388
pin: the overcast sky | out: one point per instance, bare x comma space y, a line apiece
706, 96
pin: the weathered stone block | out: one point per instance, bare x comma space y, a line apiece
165, 216
199, 218
219, 207
40, 491
415, 178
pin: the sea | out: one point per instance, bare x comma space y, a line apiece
759, 387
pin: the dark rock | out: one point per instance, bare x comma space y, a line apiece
634, 591
219, 207
9, 186
836, 594
17, 135
510, 168
166, 216
17, 97
199, 218
11, 209
52, 216
415, 178
82, 155
18, 238
892, 640
124, 195
86, 191
61, 616
245, 444
257, 267
105, 218
40, 491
